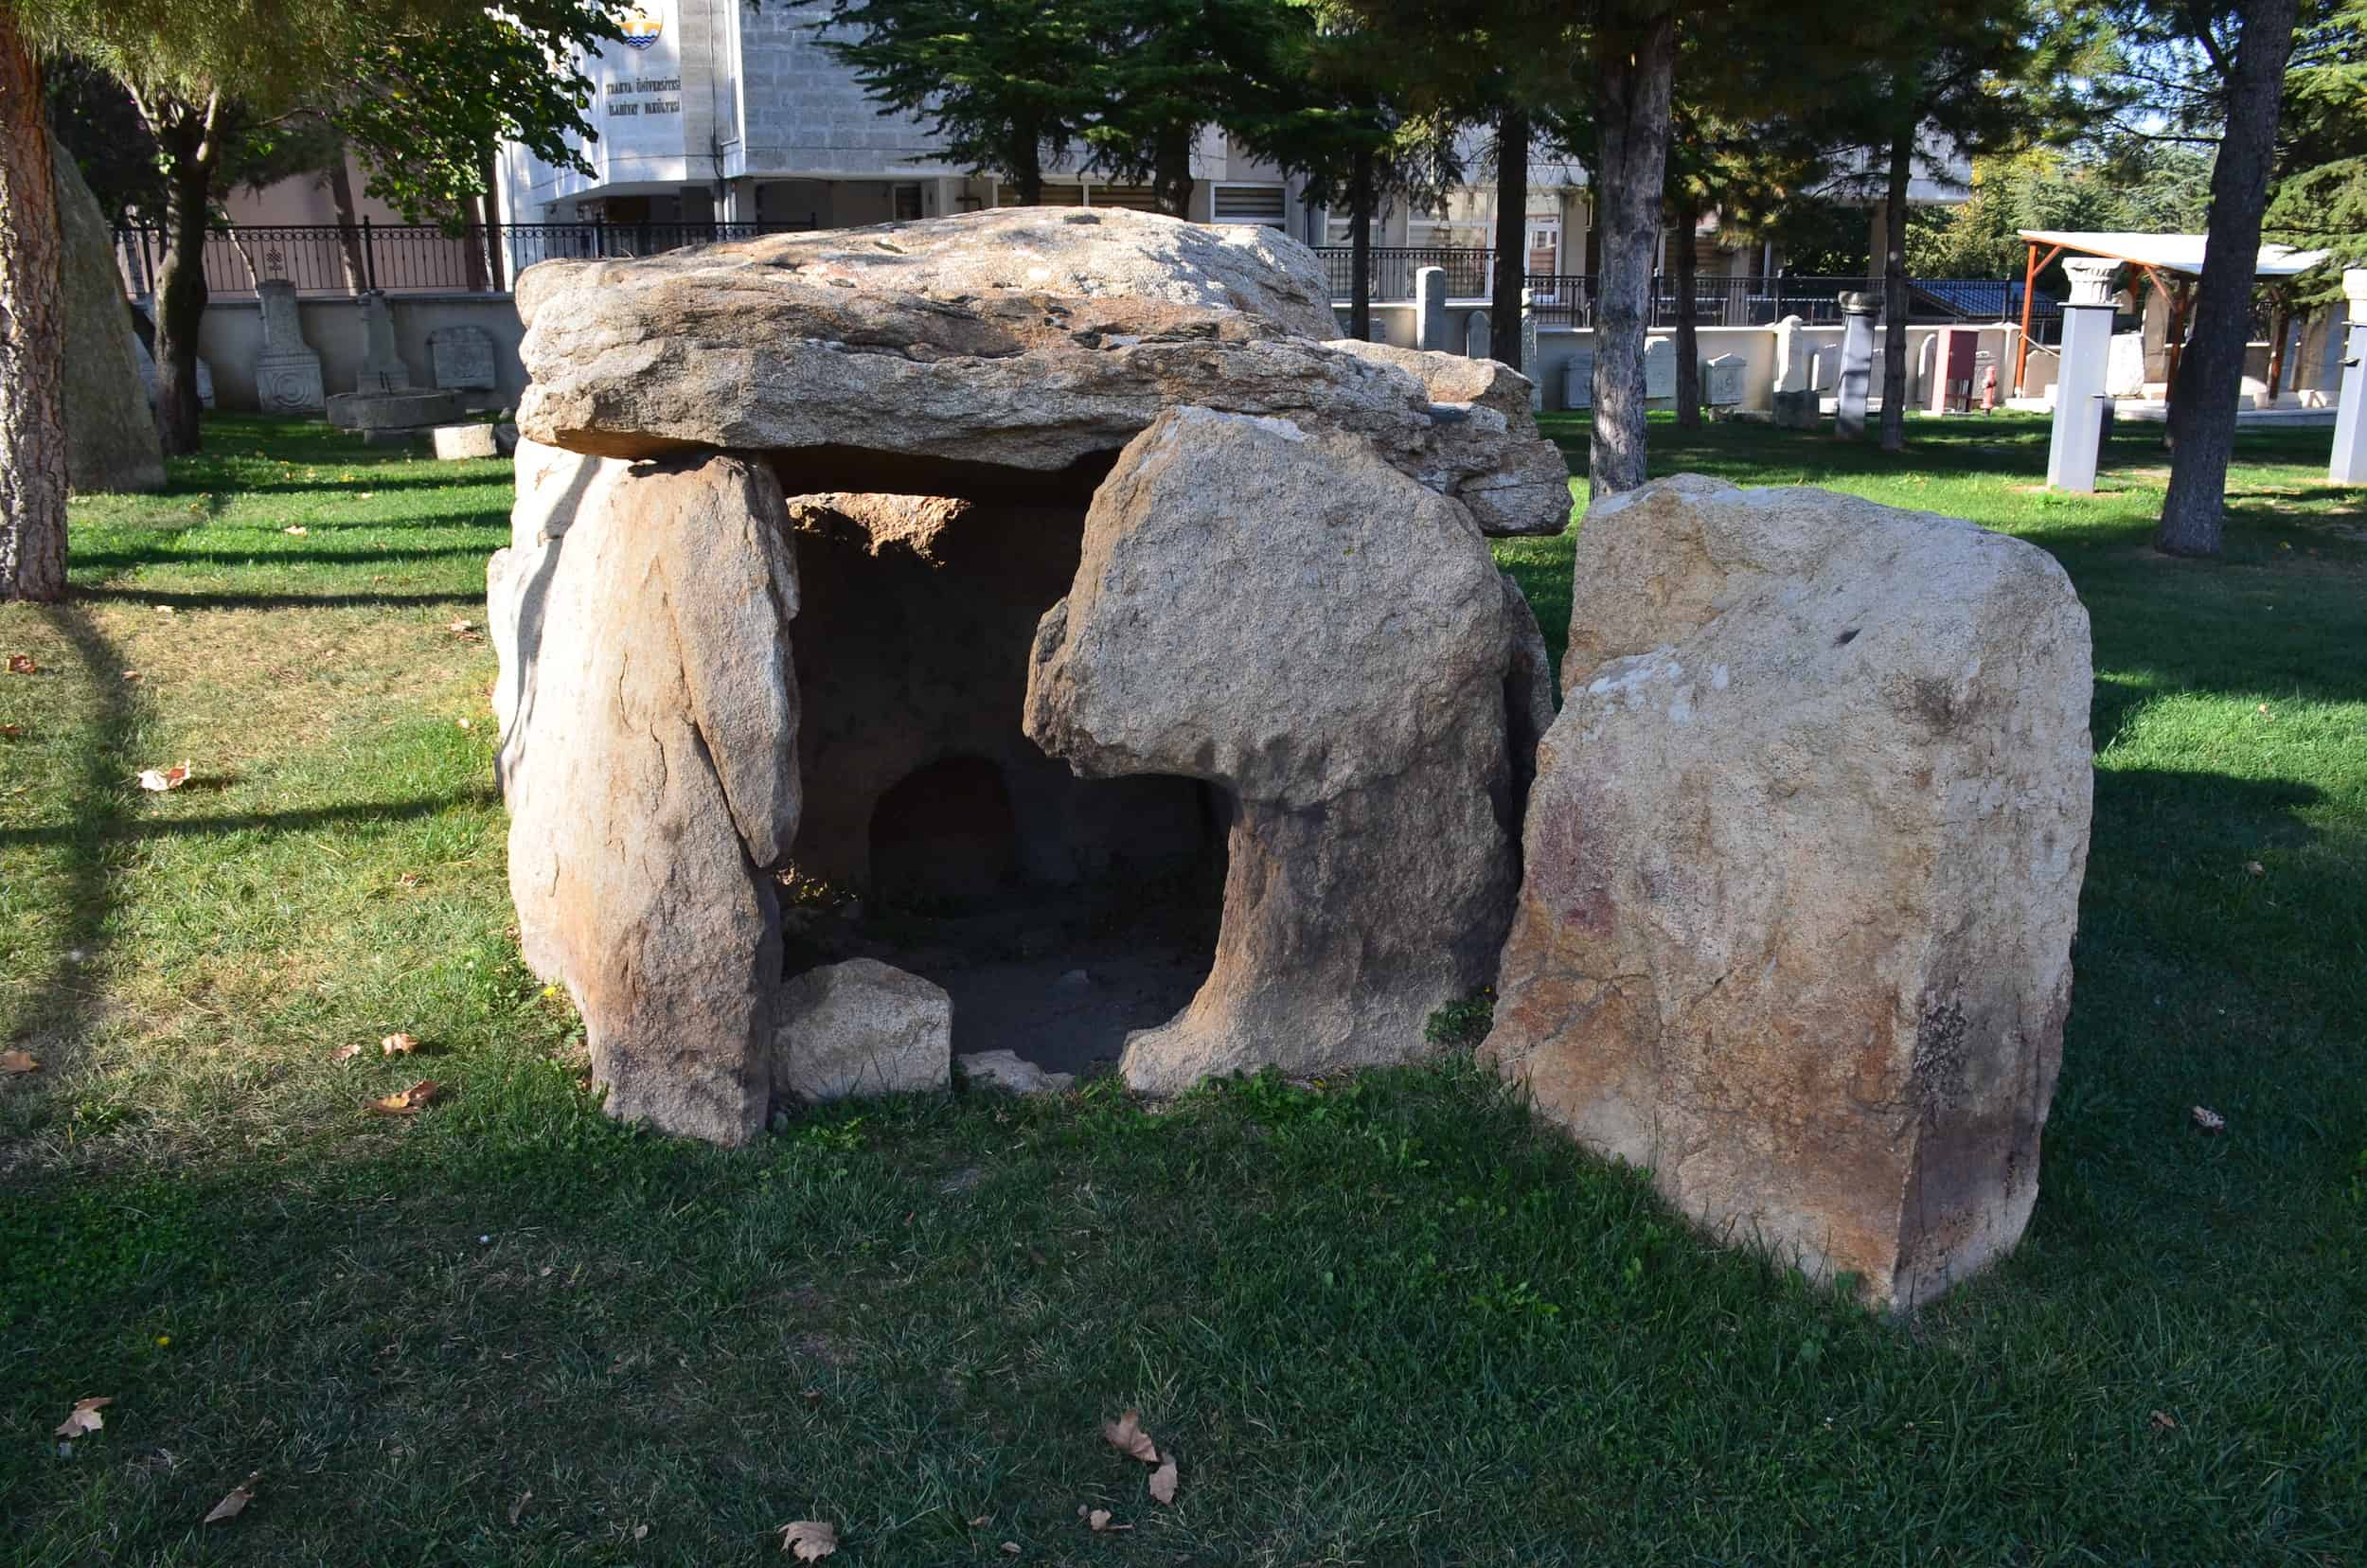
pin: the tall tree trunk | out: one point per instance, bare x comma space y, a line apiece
1512, 236
1688, 264
2279, 328
1171, 171
348, 225
1028, 165
1633, 72
1361, 204
2210, 374
32, 335
1895, 294
185, 133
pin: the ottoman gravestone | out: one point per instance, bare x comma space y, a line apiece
461, 359
287, 372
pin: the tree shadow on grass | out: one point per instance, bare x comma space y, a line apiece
116, 560
162, 599
264, 822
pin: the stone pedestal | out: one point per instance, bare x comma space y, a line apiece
2071, 454
1721, 380
1857, 363
1528, 349
383, 369
1430, 307
1801, 410
2350, 421
287, 372
404, 411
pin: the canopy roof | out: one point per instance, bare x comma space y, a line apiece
2178, 253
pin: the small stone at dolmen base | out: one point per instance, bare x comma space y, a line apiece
1803, 861
861, 1028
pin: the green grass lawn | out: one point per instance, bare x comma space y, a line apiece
1385, 1321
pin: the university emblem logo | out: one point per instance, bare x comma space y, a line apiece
640, 28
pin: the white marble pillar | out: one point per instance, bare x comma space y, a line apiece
1857, 365
2350, 415
2087, 353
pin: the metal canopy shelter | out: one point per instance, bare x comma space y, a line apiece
2161, 256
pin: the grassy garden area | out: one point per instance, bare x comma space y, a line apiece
1378, 1321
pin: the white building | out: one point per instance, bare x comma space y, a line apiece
711, 112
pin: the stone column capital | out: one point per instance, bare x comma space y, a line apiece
1859, 304
2355, 290
2090, 278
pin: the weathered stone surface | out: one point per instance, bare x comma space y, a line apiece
112, 442
1016, 339
861, 1028
1801, 870
1008, 1072
1285, 616
1528, 692
648, 762
454, 442
399, 412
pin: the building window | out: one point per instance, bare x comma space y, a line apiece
1247, 204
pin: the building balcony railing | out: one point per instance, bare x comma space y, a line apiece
332, 259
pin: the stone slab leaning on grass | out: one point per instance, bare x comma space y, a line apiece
1803, 868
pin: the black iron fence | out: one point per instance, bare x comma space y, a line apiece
407, 258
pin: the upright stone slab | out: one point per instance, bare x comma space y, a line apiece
1858, 312
2079, 387
1577, 379
2125, 365
383, 369
461, 359
1528, 348
1803, 864
111, 438
1222, 626
1793, 399
650, 770
1721, 380
1660, 370
1430, 307
1479, 340
287, 372
2349, 465
1927, 371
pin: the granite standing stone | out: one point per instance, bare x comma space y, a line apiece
1478, 335
110, 438
287, 372
462, 359
1430, 307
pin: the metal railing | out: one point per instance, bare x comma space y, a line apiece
1570, 300
407, 258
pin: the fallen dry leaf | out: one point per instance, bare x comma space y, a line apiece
640, 1532
809, 1540
17, 1062
1127, 1435
2162, 1421
22, 664
346, 1052
461, 625
409, 879
1098, 1520
298, 529
1010, 1548
980, 1523
10, 732
520, 1507
235, 1504
2255, 868
399, 1045
84, 1417
403, 1102
2209, 1120
1163, 1482
161, 779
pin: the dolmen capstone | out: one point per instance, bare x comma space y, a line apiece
1802, 869
1082, 496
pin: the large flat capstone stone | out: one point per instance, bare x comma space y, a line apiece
1026, 339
